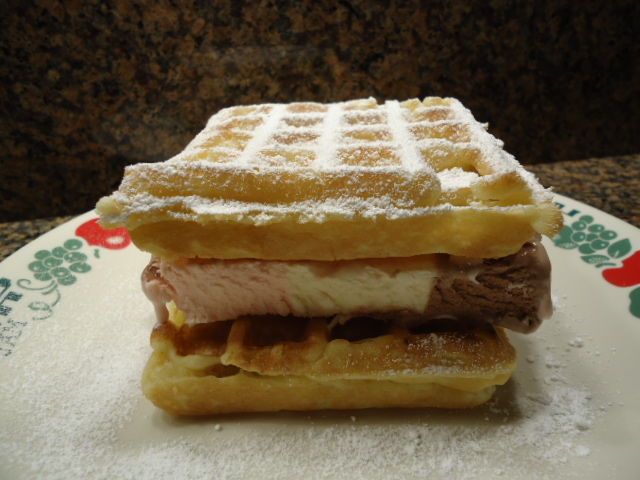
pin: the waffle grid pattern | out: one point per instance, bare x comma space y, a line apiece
259, 178
360, 133
362, 348
410, 154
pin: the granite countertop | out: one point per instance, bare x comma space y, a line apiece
90, 87
611, 184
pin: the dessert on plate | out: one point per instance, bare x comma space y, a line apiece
330, 256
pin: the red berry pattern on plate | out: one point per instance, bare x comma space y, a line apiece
98, 236
628, 275
601, 247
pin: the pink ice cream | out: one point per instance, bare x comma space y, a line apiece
218, 289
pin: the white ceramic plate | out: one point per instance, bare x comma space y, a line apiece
74, 330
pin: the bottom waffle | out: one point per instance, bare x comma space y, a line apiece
257, 364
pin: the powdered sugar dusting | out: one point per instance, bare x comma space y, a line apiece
456, 178
407, 145
325, 156
391, 151
261, 135
76, 411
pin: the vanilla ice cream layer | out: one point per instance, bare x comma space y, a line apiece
216, 290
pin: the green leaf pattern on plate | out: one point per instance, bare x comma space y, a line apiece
598, 245
60, 263
59, 267
620, 249
593, 241
51, 269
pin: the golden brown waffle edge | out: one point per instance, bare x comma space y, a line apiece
271, 363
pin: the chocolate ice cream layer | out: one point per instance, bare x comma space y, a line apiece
512, 292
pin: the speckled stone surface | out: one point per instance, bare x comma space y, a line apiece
14, 235
610, 184
89, 87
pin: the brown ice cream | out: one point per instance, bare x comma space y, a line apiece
512, 292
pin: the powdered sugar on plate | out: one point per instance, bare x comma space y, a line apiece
72, 408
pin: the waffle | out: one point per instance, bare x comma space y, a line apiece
312, 181
285, 363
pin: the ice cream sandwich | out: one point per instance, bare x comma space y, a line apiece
344, 255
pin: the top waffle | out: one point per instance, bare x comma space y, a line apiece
335, 181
